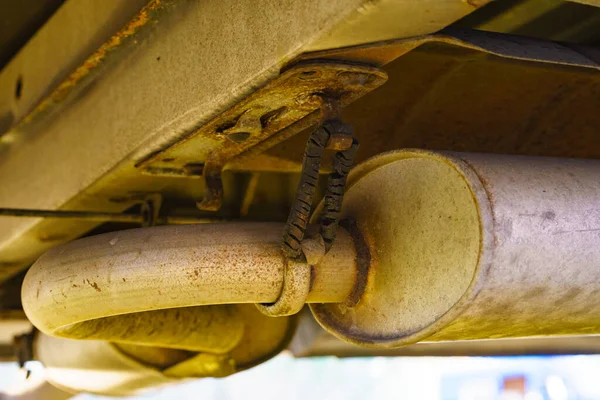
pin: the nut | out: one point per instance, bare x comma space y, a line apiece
339, 142
340, 135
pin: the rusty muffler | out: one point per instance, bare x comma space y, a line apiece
473, 246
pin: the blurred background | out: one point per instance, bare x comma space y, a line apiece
330, 378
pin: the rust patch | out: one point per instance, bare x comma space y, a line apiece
194, 275
95, 59
94, 285
363, 261
293, 96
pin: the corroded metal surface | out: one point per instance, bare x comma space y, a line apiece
129, 286
74, 41
154, 88
472, 246
172, 288
294, 291
284, 101
115, 273
422, 231
544, 253
546, 110
331, 133
143, 17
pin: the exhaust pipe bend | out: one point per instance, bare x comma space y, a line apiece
134, 286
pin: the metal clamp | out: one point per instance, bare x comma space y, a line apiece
297, 280
296, 285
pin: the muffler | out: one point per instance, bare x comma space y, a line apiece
473, 246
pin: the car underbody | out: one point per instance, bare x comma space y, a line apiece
191, 187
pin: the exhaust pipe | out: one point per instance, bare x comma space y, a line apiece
162, 303
461, 246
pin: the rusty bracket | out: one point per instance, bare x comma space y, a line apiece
292, 97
